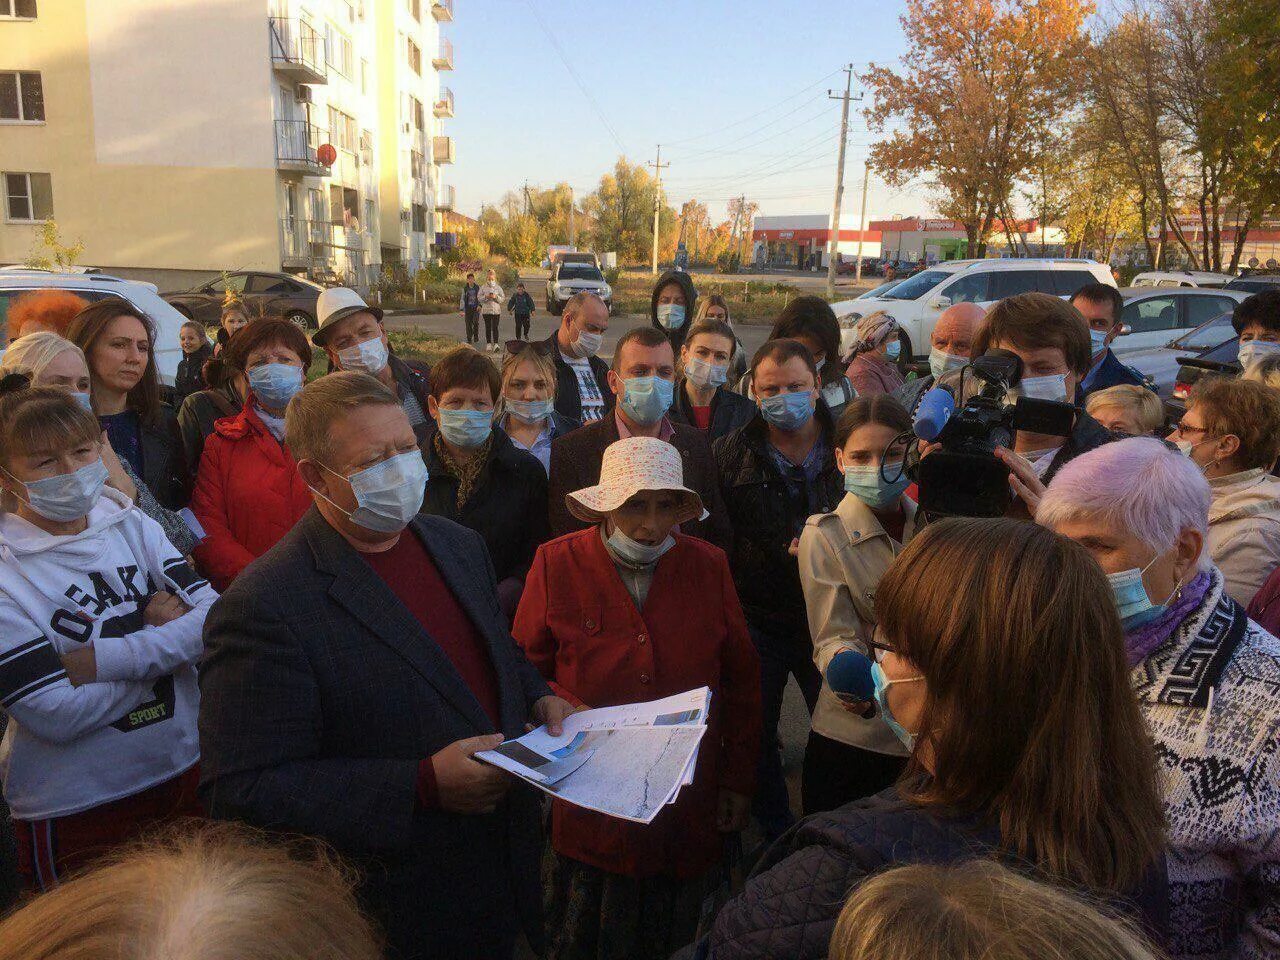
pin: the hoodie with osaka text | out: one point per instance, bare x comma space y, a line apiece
68, 749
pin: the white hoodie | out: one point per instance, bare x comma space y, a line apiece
68, 748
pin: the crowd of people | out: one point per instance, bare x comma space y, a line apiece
296, 595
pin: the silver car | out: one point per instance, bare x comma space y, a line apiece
1160, 364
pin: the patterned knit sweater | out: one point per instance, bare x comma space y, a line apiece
1211, 695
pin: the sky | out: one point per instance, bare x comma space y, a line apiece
736, 93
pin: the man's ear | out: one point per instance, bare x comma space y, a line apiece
433, 408
313, 476
615, 383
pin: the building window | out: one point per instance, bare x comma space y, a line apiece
370, 212
22, 9
419, 114
351, 11
415, 57
342, 130
339, 51
21, 97
344, 207
419, 218
364, 77
417, 165
415, 8
28, 196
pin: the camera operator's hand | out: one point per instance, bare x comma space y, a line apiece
927, 448
1023, 479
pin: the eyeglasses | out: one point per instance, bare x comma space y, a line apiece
879, 647
1185, 428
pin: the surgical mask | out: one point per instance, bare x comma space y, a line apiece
671, 315
1052, 387
1097, 340
388, 494
645, 400
1132, 601
588, 344
941, 363
274, 384
882, 685
466, 428
704, 373
893, 349
1251, 351
530, 411
867, 483
1184, 447
641, 554
68, 496
788, 411
85, 400
367, 357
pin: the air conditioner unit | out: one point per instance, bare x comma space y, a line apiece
302, 93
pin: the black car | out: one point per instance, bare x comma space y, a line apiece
1220, 361
1255, 282
293, 298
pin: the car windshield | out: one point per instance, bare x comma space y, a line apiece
913, 288
879, 291
579, 271
1211, 334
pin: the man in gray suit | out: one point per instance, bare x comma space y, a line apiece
352, 672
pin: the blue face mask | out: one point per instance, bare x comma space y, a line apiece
893, 349
274, 384
868, 485
85, 400
68, 496
646, 400
466, 428
671, 315
388, 494
367, 357
1097, 340
1132, 602
882, 685
704, 373
788, 411
530, 411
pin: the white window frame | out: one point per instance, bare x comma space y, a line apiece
31, 200
9, 11
17, 79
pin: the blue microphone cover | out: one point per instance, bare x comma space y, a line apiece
935, 409
849, 675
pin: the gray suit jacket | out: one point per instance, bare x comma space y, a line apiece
320, 695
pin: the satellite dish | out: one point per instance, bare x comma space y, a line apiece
327, 154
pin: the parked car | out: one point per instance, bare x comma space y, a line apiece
879, 291
917, 301
100, 286
574, 276
1160, 364
1154, 315
1255, 283
291, 297
1181, 278
1222, 361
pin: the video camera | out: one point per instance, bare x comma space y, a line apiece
964, 478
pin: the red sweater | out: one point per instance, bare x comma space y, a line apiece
248, 495
581, 629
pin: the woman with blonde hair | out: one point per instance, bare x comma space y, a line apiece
977, 911
1128, 409
526, 408
1001, 668
203, 893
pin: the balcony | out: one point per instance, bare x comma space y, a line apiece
298, 51
443, 60
442, 10
444, 106
297, 145
446, 197
442, 149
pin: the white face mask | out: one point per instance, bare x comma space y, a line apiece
67, 496
388, 494
1052, 387
1251, 351
588, 344
367, 357
941, 363
633, 551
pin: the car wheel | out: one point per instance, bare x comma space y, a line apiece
301, 318
905, 355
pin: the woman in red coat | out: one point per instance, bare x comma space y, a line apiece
248, 492
631, 610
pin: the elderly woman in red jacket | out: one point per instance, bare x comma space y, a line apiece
248, 492
632, 610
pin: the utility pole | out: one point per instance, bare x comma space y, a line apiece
527, 203
862, 221
573, 240
835, 207
658, 167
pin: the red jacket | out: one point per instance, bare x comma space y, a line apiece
581, 629
248, 495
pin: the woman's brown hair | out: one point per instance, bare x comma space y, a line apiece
199, 891
976, 910
1029, 712
90, 324
41, 418
1245, 409
270, 331
878, 408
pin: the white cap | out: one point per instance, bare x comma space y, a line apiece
338, 303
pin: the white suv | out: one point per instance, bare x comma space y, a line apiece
917, 301
98, 286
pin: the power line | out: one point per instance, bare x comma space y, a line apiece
576, 79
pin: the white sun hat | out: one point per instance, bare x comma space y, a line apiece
630, 466
338, 303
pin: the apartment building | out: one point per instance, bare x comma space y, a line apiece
179, 137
